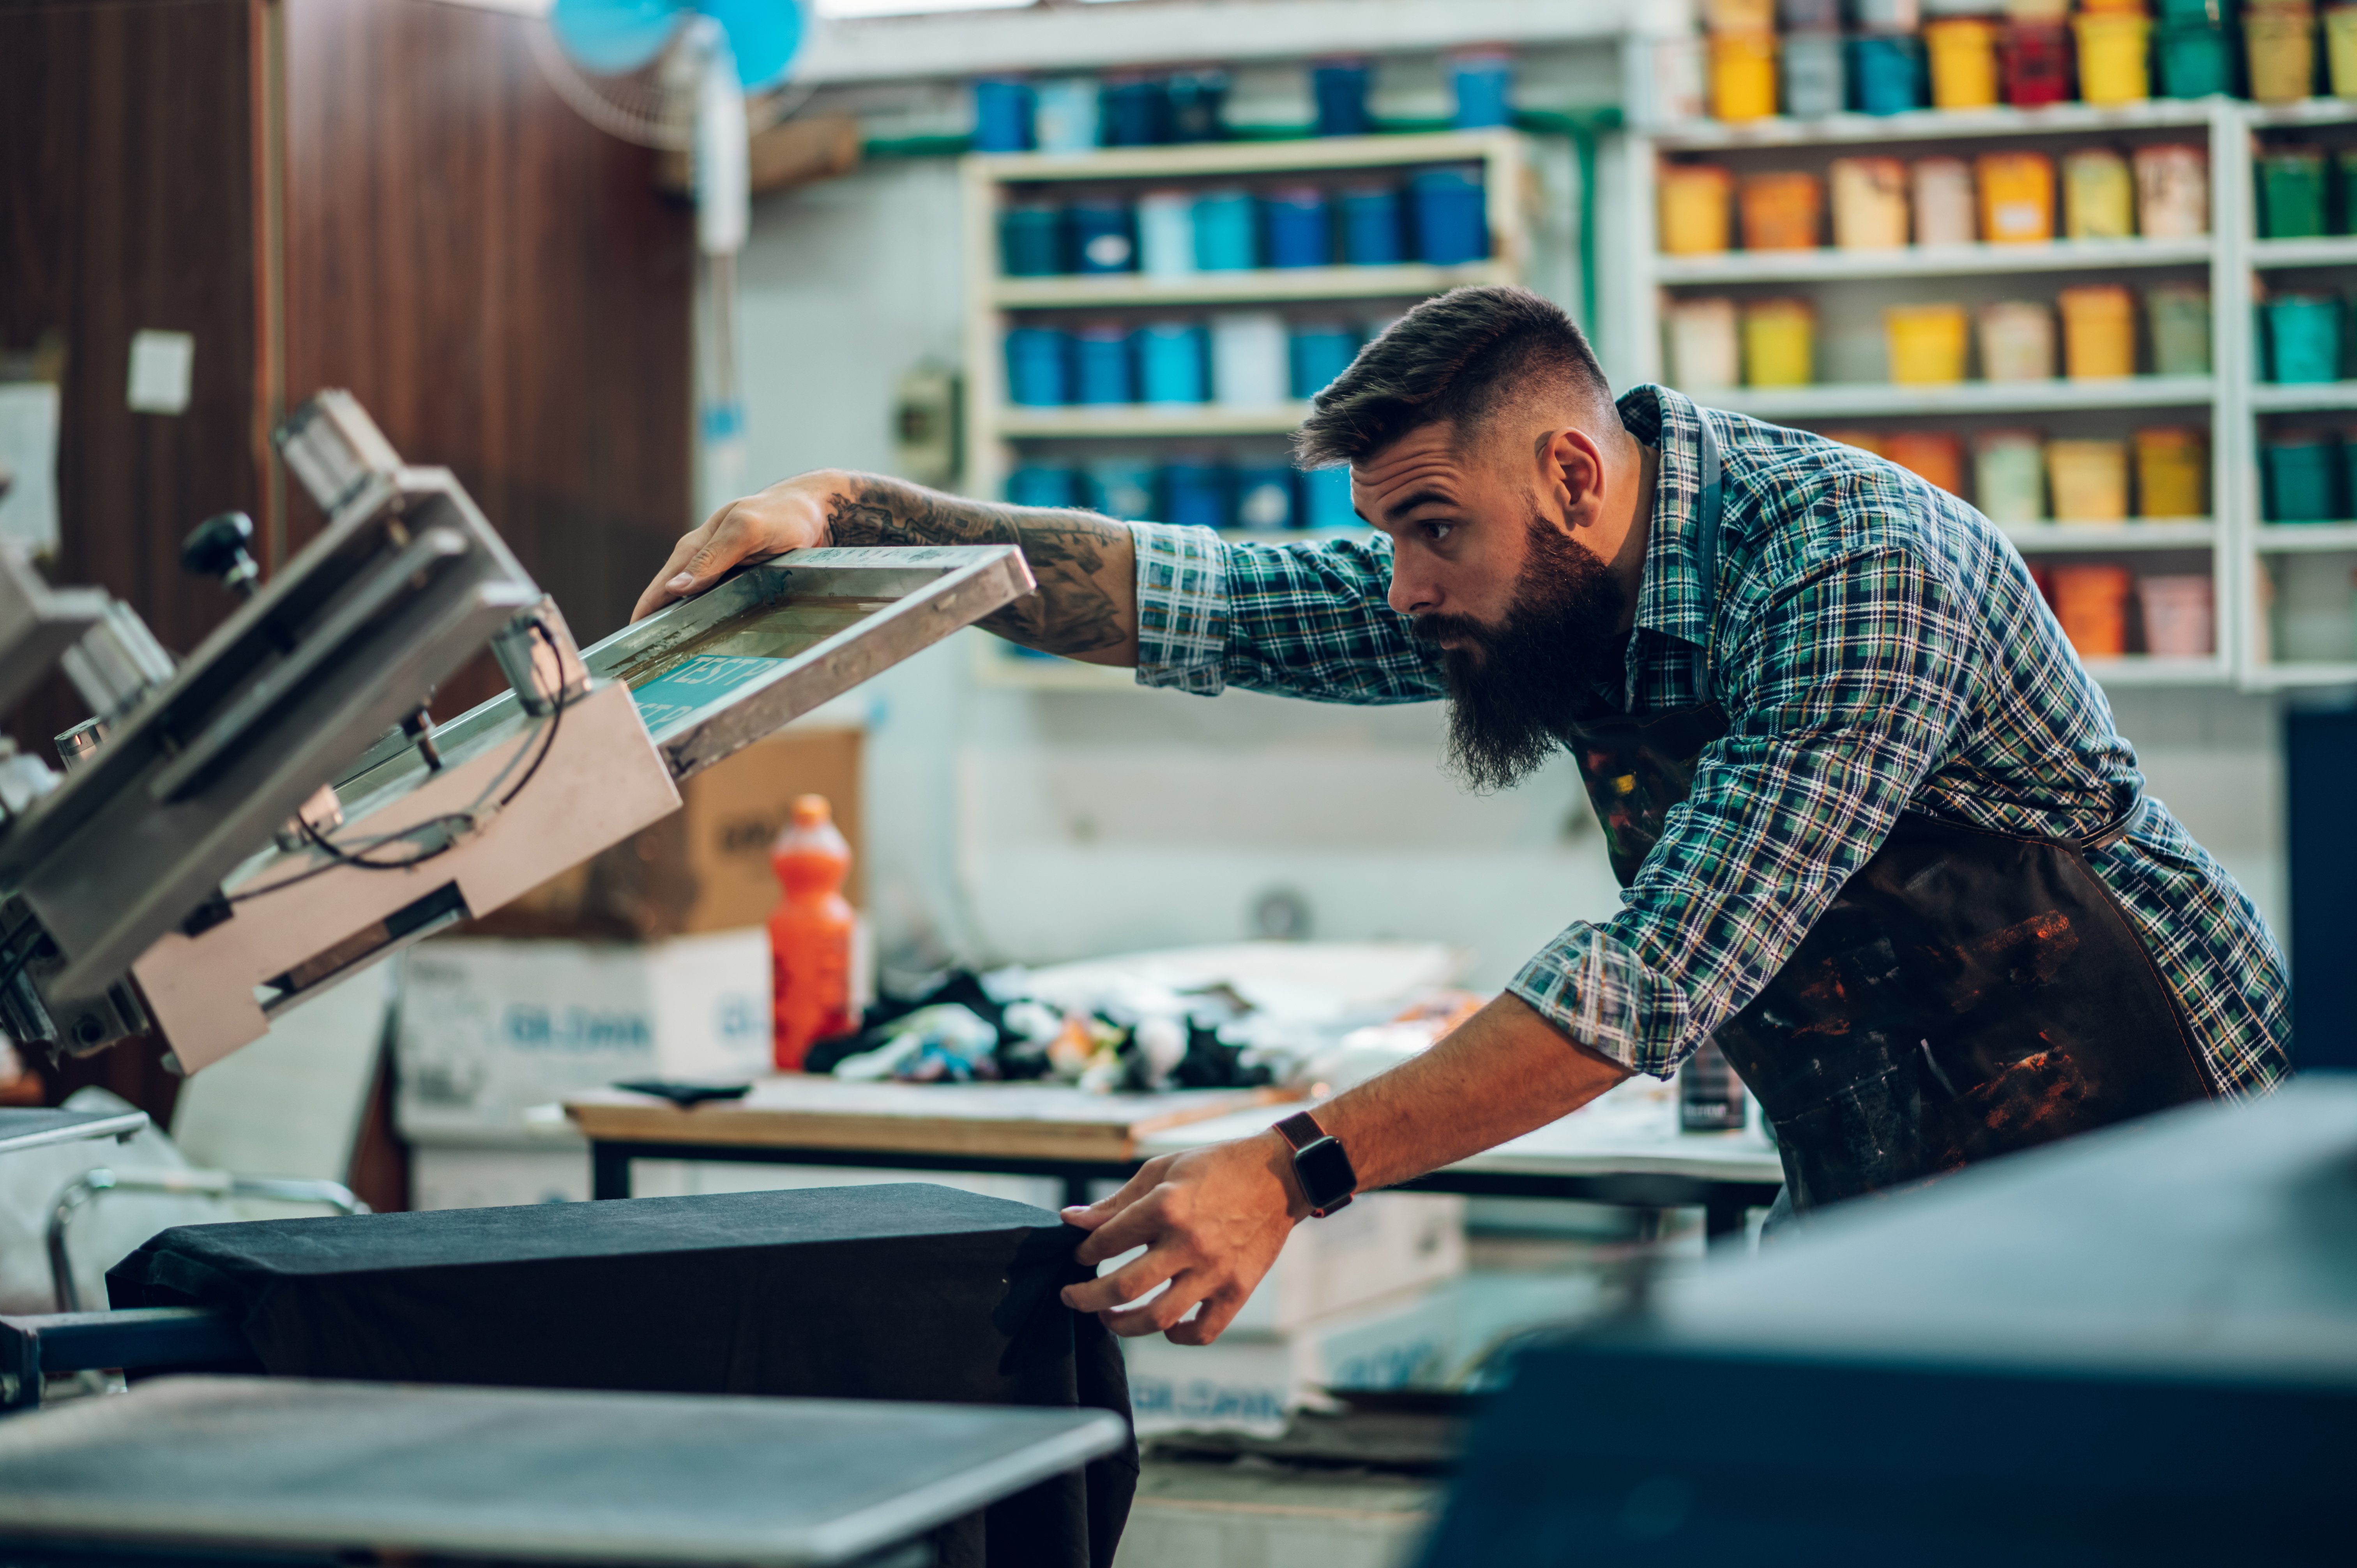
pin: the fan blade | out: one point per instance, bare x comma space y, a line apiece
762, 34
610, 38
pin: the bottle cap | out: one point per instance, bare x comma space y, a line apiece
812, 811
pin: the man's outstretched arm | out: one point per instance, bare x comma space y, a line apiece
1086, 606
1213, 1219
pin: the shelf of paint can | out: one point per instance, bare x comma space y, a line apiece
2307, 112
1141, 419
1105, 290
2301, 538
1868, 400
2318, 672
1928, 124
2321, 251
2150, 669
1216, 159
2101, 538
1932, 261
2278, 397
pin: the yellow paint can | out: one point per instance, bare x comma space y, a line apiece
1926, 343
2098, 332
1695, 201
2113, 49
1778, 343
2172, 471
1963, 61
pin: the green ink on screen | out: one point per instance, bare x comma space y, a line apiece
675, 693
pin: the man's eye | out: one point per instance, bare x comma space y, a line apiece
1436, 532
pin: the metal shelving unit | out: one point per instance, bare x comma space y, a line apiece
2277, 558
998, 432
2218, 400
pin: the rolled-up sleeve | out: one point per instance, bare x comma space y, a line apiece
1310, 620
1847, 684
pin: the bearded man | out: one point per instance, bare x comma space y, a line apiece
1876, 834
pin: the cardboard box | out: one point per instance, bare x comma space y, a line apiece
488, 1028
1430, 1338
706, 867
1383, 1244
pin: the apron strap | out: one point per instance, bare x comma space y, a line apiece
1709, 503
2115, 830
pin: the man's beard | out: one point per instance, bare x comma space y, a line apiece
1514, 690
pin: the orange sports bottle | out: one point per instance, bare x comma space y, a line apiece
809, 934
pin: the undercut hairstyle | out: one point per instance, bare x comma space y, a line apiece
1456, 360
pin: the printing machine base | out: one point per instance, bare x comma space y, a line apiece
283, 1471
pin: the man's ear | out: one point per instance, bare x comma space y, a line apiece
1572, 466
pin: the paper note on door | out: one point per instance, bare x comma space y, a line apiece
675, 693
28, 451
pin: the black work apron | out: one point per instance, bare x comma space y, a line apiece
1968, 993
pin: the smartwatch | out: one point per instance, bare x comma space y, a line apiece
1320, 1165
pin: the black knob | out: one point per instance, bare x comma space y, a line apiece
220, 548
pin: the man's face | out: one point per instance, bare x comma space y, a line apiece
1483, 559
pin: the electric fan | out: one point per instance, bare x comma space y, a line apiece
698, 77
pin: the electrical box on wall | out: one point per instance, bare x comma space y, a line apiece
925, 425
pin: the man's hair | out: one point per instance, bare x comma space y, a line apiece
1455, 359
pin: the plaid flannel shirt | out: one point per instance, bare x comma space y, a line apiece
1877, 645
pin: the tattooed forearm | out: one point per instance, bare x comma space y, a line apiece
1086, 605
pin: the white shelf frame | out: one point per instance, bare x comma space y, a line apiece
993, 426
2222, 398
1831, 266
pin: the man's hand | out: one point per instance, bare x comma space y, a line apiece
792, 514
1212, 1220
1086, 605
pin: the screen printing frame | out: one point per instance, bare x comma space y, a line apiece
566, 784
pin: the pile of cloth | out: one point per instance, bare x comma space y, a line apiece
1206, 1019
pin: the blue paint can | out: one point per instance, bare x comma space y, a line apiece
1452, 220
1264, 497
1887, 73
2303, 338
1166, 233
1039, 368
1485, 85
1299, 232
1123, 488
1136, 113
1226, 232
2300, 477
1172, 357
1371, 228
1195, 495
1316, 355
1340, 88
1031, 242
1002, 115
1038, 485
1102, 370
1198, 105
1103, 236
1325, 499
1065, 114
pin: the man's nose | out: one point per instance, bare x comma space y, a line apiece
1412, 593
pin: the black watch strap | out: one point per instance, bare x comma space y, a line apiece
1319, 1162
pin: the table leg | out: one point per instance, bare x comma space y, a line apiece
1076, 1190
609, 1170
1724, 1215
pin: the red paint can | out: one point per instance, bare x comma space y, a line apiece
2037, 60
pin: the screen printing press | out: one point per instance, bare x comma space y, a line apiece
239, 830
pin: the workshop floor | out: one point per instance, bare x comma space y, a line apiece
1252, 1514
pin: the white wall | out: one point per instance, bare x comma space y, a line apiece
1007, 825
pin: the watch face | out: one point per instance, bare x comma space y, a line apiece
1326, 1174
